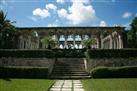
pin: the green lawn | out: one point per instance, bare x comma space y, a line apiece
110, 84
25, 84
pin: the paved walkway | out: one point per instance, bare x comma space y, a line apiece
67, 85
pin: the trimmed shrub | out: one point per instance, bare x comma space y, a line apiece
115, 72
26, 53
69, 53
58, 53
111, 53
23, 72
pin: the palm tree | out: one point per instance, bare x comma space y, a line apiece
49, 41
7, 31
88, 42
134, 30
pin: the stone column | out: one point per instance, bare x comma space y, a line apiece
111, 47
57, 36
101, 37
29, 41
74, 41
38, 42
20, 42
57, 40
97, 45
120, 42
65, 41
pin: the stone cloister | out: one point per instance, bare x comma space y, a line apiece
70, 37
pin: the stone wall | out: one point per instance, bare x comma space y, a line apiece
92, 63
33, 62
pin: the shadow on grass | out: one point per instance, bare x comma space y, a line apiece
7, 79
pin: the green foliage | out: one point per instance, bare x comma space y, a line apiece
88, 42
114, 72
58, 53
69, 53
27, 53
111, 53
23, 72
49, 41
132, 34
7, 32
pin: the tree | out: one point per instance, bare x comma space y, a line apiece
134, 29
49, 41
88, 42
132, 34
7, 31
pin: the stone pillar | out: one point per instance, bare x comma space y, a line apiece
29, 41
74, 41
38, 42
57, 36
20, 42
66, 46
57, 40
101, 37
120, 42
97, 45
110, 45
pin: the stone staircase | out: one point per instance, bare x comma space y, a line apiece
69, 68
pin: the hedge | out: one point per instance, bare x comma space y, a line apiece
26, 53
58, 53
23, 72
114, 72
111, 53
69, 53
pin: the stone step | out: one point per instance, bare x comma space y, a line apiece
73, 64
69, 68
81, 72
70, 77
71, 74
63, 70
69, 65
74, 71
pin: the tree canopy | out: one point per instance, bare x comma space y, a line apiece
7, 31
132, 34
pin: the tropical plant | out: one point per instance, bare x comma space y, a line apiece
134, 29
132, 34
7, 31
49, 41
88, 42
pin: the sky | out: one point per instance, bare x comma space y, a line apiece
65, 13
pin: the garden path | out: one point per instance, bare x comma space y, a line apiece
67, 85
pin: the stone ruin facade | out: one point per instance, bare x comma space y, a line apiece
70, 37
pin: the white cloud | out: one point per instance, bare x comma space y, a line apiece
43, 13
78, 12
126, 14
51, 7
62, 13
102, 24
80, 1
52, 25
60, 1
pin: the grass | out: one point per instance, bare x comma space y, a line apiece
25, 84
110, 84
